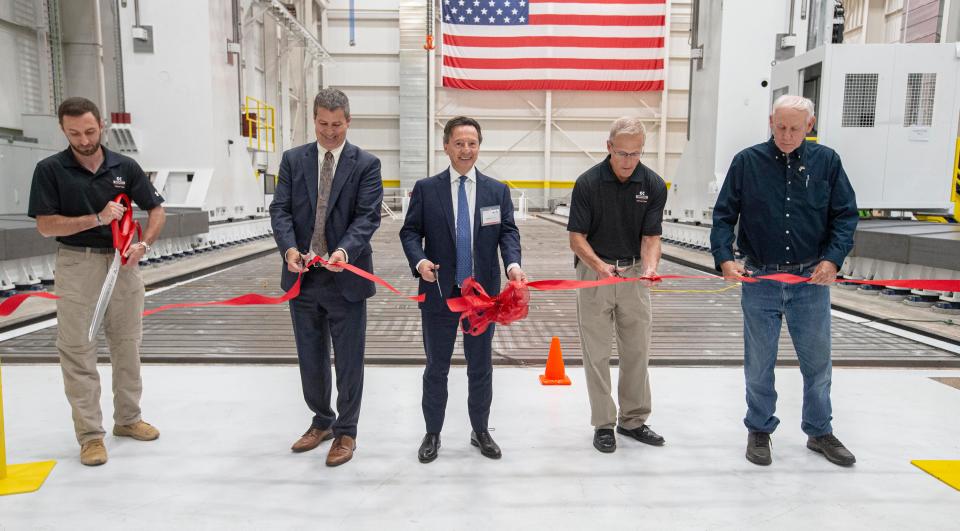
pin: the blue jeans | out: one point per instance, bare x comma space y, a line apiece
807, 310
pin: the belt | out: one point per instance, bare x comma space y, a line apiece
622, 262
785, 268
94, 250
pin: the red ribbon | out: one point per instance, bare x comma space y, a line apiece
475, 306
124, 228
478, 310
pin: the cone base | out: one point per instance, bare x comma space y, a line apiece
550, 381
26, 477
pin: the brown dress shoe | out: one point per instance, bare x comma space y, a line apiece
310, 440
341, 450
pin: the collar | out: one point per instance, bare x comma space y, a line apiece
322, 152
608, 175
455, 176
110, 159
796, 154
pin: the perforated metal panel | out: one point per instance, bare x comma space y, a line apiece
859, 100
918, 107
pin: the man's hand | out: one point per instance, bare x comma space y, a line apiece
517, 274
336, 258
428, 270
648, 273
733, 271
824, 274
112, 211
133, 255
296, 262
605, 270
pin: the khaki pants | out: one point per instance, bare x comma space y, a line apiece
622, 310
78, 280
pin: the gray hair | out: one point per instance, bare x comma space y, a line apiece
798, 103
331, 99
628, 125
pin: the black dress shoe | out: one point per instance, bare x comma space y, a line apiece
643, 434
429, 448
758, 448
832, 449
484, 441
605, 441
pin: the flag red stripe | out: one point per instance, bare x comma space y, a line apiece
597, 20
554, 62
553, 42
549, 84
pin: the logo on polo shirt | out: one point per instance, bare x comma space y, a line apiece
119, 182
641, 197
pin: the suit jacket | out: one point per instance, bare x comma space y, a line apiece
429, 232
353, 211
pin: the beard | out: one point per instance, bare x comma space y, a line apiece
86, 152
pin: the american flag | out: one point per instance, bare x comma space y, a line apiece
553, 44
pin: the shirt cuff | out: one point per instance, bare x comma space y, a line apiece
511, 266
346, 257
722, 255
417, 268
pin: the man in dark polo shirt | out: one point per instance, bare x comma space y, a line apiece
615, 225
71, 198
797, 214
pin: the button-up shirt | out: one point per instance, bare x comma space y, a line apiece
471, 185
321, 154
795, 208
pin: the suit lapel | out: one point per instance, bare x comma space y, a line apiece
446, 202
480, 201
311, 177
348, 159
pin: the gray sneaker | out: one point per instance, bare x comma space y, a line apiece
832, 449
758, 448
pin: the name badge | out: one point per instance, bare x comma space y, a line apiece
489, 215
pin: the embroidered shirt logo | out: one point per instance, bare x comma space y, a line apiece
641, 197
119, 182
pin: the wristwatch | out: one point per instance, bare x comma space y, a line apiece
146, 247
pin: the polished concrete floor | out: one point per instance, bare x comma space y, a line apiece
223, 459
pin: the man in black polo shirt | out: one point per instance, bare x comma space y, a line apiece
71, 198
797, 213
615, 225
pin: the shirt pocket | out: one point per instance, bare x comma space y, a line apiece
818, 192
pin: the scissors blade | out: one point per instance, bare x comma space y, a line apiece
104, 300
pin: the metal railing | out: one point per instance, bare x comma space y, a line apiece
258, 125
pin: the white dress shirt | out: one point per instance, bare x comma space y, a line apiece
321, 154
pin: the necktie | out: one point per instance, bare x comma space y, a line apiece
464, 248
319, 241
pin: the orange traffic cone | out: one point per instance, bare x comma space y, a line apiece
554, 374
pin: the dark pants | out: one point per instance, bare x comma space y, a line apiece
320, 314
439, 336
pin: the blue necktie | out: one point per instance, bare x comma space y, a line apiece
464, 249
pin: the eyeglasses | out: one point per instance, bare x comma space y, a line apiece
625, 155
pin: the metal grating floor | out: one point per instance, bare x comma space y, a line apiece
689, 328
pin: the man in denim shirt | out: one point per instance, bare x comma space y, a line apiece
797, 214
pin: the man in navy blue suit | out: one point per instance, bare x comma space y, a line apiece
327, 203
455, 223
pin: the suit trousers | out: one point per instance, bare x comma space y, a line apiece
78, 280
321, 314
439, 337
622, 311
